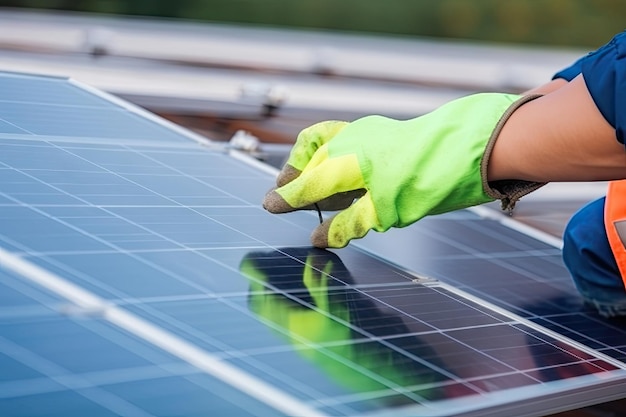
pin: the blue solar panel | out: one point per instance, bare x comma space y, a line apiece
56, 107
140, 276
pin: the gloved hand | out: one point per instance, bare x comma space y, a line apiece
384, 173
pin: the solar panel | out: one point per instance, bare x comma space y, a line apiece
140, 276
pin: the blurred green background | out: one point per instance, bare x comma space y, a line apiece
541, 22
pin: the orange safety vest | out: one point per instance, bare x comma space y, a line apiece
615, 223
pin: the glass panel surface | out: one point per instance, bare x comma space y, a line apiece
453, 316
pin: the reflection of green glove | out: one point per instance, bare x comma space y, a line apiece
319, 323
400, 171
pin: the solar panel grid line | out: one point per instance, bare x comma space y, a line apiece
383, 393
503, 255
84, 99
516, 225
53, 125
513, 320
578, 333
191, 177
545, 252
227, 353
498, 256
152, 191
123, 251
61, 105
502, 260
467, 301
175, 203
365, 334
515, 250
81, 142
60, 375
600, 346
94, 379
259, 166
146, 114
185, 175
92, 312
80, 297
121, 300
16, 126
116, 248
42, 254
151, 333
442, 371
314, 398
534, 411
535, 326
98, 396
114, 377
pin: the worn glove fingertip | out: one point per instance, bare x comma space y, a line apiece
321, 237
287, 174
275, 203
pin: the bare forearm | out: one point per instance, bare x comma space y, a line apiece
548, 87
558, 137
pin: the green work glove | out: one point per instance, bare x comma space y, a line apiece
384, 173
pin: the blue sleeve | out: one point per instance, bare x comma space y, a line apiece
604, 71
605, 76
572, 71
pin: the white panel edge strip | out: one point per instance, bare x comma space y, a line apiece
253, 162
158, 337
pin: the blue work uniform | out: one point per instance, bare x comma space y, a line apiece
587, 252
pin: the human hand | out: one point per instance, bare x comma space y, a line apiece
382, 173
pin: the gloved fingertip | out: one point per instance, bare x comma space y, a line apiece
274, 203
320, 238
287, 174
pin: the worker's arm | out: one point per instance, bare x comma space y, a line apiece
573, 133
469, 151
399, 170
548, 87
558, 137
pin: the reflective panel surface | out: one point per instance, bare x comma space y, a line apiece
139, 275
